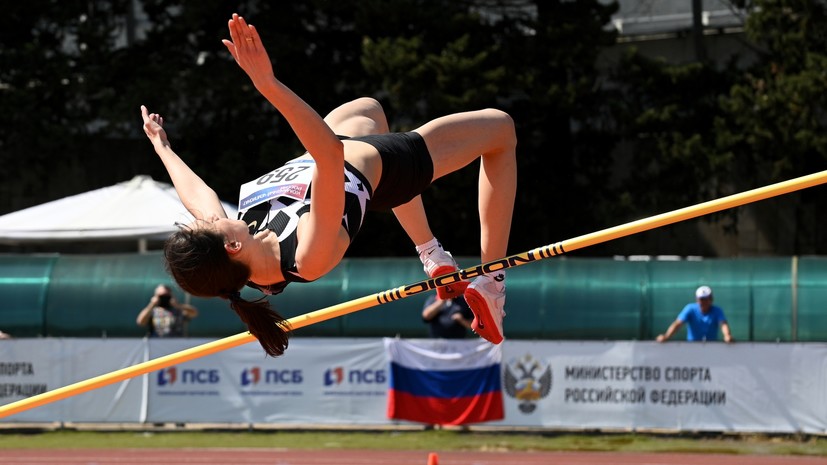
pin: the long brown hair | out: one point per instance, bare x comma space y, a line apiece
196, 258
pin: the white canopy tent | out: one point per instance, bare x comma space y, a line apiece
140, 209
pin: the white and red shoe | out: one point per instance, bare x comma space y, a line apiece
438, 262
486, 297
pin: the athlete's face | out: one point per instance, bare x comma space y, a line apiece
232, 230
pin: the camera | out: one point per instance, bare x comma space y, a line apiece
164, 300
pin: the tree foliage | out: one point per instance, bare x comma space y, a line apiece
54, 89
699, 131
773, 121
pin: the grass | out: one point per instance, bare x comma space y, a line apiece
419, 440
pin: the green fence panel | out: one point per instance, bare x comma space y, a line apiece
527, 302
812, 299
24, 281
586, 299
771, 299
560, 298
101, 295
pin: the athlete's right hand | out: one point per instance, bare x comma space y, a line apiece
154, 128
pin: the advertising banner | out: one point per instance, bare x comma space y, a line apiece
681, 386
324, 381
28, 368
33, 366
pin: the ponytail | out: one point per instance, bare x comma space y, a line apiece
270, 328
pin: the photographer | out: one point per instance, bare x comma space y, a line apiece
447, 319
164, 316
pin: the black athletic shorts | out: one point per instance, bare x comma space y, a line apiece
407, 168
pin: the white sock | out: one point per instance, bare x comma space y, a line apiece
428, 246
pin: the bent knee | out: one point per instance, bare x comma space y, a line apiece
371, 109
368, 106
359, 117
504, 126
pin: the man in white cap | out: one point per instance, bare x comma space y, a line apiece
702, 320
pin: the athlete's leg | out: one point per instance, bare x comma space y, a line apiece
358, 117
435, 260
413, 220
456, 140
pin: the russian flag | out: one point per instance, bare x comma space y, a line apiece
444, 382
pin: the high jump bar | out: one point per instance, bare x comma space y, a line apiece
402, 292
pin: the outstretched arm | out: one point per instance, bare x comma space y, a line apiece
249, 52
198, 198
727, 332
673, 328
327, 192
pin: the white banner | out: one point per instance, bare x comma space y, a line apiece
323, 381
33, 366
683, 386
741, 387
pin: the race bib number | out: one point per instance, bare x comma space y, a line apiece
291, 180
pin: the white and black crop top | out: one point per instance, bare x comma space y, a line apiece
277, 200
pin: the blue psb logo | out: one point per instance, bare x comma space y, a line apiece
254, 375
339, 375
172, 375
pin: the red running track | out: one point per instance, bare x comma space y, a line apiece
372, 457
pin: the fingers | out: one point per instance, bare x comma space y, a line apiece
244, 36
147, 119
254, 35
231, 48
244, 29
236, 31
231, 25
150, 118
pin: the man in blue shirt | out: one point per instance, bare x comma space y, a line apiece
702, 320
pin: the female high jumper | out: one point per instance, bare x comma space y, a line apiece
296, 222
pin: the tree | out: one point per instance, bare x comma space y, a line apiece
774, 118
53, 70
665, 117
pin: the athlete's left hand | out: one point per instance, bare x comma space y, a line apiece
248, 51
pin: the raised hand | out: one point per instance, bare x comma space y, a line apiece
248, 51
154, 128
